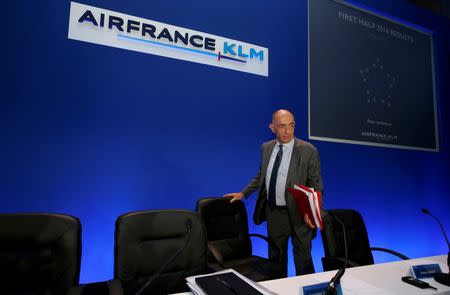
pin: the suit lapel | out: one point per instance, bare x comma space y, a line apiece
296, 159
266, 157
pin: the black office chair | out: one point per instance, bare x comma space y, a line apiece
229, 241
40, 253
146, 240
358, 247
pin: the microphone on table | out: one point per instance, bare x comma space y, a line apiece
146, 286
331, 289
442, 278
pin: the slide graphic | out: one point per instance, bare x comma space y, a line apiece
371, 79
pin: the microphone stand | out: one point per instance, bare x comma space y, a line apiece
331, 289
442, 278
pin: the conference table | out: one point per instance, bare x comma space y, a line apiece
380, 279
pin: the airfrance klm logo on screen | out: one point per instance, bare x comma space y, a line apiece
105, 27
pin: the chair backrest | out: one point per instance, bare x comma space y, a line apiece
40, 253
358, 246
226, 226
146, 240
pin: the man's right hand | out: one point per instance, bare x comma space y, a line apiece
234, 197
308, 221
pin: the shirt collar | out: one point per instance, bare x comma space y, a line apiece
288, 145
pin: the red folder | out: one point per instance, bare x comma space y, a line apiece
308, 203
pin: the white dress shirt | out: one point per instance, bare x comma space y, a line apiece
282, 171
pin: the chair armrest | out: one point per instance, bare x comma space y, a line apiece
269, 242
216, 253
389, 251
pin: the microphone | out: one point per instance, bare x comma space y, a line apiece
331, 289
145, 287
442, 278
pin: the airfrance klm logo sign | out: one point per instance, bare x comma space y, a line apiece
105, 27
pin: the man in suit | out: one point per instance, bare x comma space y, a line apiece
284, 162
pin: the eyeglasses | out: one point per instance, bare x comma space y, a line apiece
285, 126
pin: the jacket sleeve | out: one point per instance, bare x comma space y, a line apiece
314, 179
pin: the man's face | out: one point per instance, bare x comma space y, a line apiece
283, 126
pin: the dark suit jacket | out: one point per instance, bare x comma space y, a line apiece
304, 169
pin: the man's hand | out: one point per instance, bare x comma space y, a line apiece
234, 196
308, 221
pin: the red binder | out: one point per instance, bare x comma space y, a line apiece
308, 203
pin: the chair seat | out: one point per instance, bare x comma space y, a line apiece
254, 267
165, 245
111, 287
229, 242
348, 224
40, 253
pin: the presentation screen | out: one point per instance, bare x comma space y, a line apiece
371, 79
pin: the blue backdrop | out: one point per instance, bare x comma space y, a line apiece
95, 131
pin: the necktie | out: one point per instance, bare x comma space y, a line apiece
273, 178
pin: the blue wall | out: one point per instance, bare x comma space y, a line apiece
95, 131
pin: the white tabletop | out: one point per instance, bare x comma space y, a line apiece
380, 279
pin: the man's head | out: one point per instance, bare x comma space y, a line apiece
283, 125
